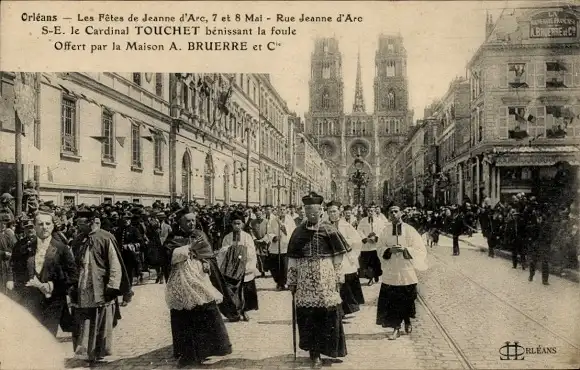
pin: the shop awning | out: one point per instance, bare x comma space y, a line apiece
536, 155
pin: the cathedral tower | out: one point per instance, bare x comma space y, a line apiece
392, 117
324, 120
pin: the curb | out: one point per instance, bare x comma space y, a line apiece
568, 274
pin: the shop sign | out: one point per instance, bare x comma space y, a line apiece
553, 24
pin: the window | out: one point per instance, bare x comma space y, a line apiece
69, 201
517, 75
185, 97
557, 75
242, 176
325, 99
137, 78
236, 171
108, 149
326, 70
135, 145
158, 147
255, 179
36, 132
325, 46
476, 85
254, 93
520, 122
390, 69
390, 103
69, 127
136, 200
108, 200
555, 122
390, 47
480, 124
159, 84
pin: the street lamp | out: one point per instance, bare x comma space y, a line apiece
359, 179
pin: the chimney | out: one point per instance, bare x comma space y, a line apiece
488, 25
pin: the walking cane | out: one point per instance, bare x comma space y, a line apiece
294, 323
279, 256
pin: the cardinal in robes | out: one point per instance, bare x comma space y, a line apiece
315, 253
351, 291
370, 228
197, 327
238, 264
402, 251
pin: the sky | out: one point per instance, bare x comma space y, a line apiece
440, 38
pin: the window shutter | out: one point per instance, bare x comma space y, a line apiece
527, 73
540, 72
503, 122
576, 74
531, 74
575, 131
569, 74
503, 75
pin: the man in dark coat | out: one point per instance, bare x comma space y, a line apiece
43, 271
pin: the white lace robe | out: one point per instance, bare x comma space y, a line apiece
188, 285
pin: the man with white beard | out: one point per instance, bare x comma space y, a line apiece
351, 291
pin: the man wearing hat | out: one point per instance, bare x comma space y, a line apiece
7, 242
102, 278
401, 251
43, 271
7, 203
315, 253
130, 241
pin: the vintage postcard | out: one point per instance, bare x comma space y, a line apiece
289, 184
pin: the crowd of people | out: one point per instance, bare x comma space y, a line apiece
538, 235
75, 268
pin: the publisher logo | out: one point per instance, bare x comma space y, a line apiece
515, 351
512, 351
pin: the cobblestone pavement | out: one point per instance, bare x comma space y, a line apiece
143, 339
483, 302
480, 302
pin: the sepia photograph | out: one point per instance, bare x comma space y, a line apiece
390, 189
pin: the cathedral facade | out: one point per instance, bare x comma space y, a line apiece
359, 140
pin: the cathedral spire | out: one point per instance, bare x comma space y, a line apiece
359, 102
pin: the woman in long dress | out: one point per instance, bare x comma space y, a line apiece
197, 326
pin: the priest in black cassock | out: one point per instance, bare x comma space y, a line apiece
315, 275
402, 252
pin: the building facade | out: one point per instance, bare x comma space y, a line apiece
140, 137
92, 137
525, 107
451, 115
373, 138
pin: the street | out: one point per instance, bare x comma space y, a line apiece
469, 306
